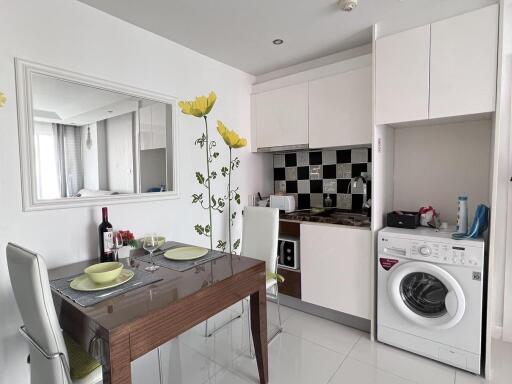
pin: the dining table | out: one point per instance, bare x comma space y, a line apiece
125, 327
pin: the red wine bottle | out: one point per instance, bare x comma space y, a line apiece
105, 238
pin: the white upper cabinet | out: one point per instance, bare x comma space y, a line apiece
145, 129
159, 124
463, 64
280, 116
153, 126
340, 109
402, 76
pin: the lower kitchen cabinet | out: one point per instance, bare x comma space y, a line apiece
335, 268
291, 284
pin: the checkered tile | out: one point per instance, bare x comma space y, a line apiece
311, 176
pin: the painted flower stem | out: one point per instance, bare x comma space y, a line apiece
208, 180
229, 201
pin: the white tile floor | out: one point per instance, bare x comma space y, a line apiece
311, 350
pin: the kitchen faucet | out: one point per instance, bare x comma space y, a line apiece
363, 178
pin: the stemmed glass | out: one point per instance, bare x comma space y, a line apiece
116, 244
150, 244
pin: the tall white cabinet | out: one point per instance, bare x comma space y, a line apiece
340, 109
402, 76
463, 62
444, 69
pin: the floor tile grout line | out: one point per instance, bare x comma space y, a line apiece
342, 361
200, 352
323, 346
316, 343
382, 369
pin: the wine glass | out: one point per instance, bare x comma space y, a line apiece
116, 244
150, 244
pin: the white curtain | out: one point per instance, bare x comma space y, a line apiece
59, 170
69, 149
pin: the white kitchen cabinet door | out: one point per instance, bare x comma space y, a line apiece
340, 109
158, 125
335, 268
281, 116
145, 136
402, 76
463, 64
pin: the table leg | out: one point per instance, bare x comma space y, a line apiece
117, 360
259, 331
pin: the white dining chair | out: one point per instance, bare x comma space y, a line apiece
260, 235
259, 240
50, 360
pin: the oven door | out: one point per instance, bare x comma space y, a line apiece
426, 295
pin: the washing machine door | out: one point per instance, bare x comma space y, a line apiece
426, 294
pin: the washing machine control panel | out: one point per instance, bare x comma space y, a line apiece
444, 253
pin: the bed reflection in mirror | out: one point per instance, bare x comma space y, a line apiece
91, 142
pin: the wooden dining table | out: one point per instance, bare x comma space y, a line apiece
125, 327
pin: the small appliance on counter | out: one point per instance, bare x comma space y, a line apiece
284, 203
403, 219
288, 250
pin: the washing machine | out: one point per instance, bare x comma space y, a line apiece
430, 295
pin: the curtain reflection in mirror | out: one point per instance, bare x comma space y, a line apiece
59, 160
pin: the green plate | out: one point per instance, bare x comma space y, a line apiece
185, 253
83, 283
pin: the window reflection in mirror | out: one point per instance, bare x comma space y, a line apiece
91, 142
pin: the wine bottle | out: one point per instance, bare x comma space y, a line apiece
105, 238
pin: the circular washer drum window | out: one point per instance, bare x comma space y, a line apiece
424, 294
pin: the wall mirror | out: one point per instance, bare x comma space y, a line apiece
85, 141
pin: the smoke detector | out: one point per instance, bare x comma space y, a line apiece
348, 5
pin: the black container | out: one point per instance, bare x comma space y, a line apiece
403, 219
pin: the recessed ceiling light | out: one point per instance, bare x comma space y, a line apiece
278, 41
110, 111
348, 5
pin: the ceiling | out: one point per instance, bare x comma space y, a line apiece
240, 32
60, 101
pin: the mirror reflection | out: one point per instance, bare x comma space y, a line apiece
94, 142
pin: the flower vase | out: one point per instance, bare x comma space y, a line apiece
124, 252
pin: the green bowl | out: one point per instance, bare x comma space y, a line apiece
104, 272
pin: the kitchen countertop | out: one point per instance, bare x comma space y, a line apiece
338, 217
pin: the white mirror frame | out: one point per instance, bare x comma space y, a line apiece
24, 71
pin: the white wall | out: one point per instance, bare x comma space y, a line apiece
502, 284
435, 164
73, 36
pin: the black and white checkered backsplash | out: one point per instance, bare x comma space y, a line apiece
312, 175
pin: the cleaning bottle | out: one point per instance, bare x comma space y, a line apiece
462, 215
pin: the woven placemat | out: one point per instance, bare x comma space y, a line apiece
86, 299
180, 266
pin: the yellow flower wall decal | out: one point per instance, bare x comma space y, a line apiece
231, 138
3, 99
200, 107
